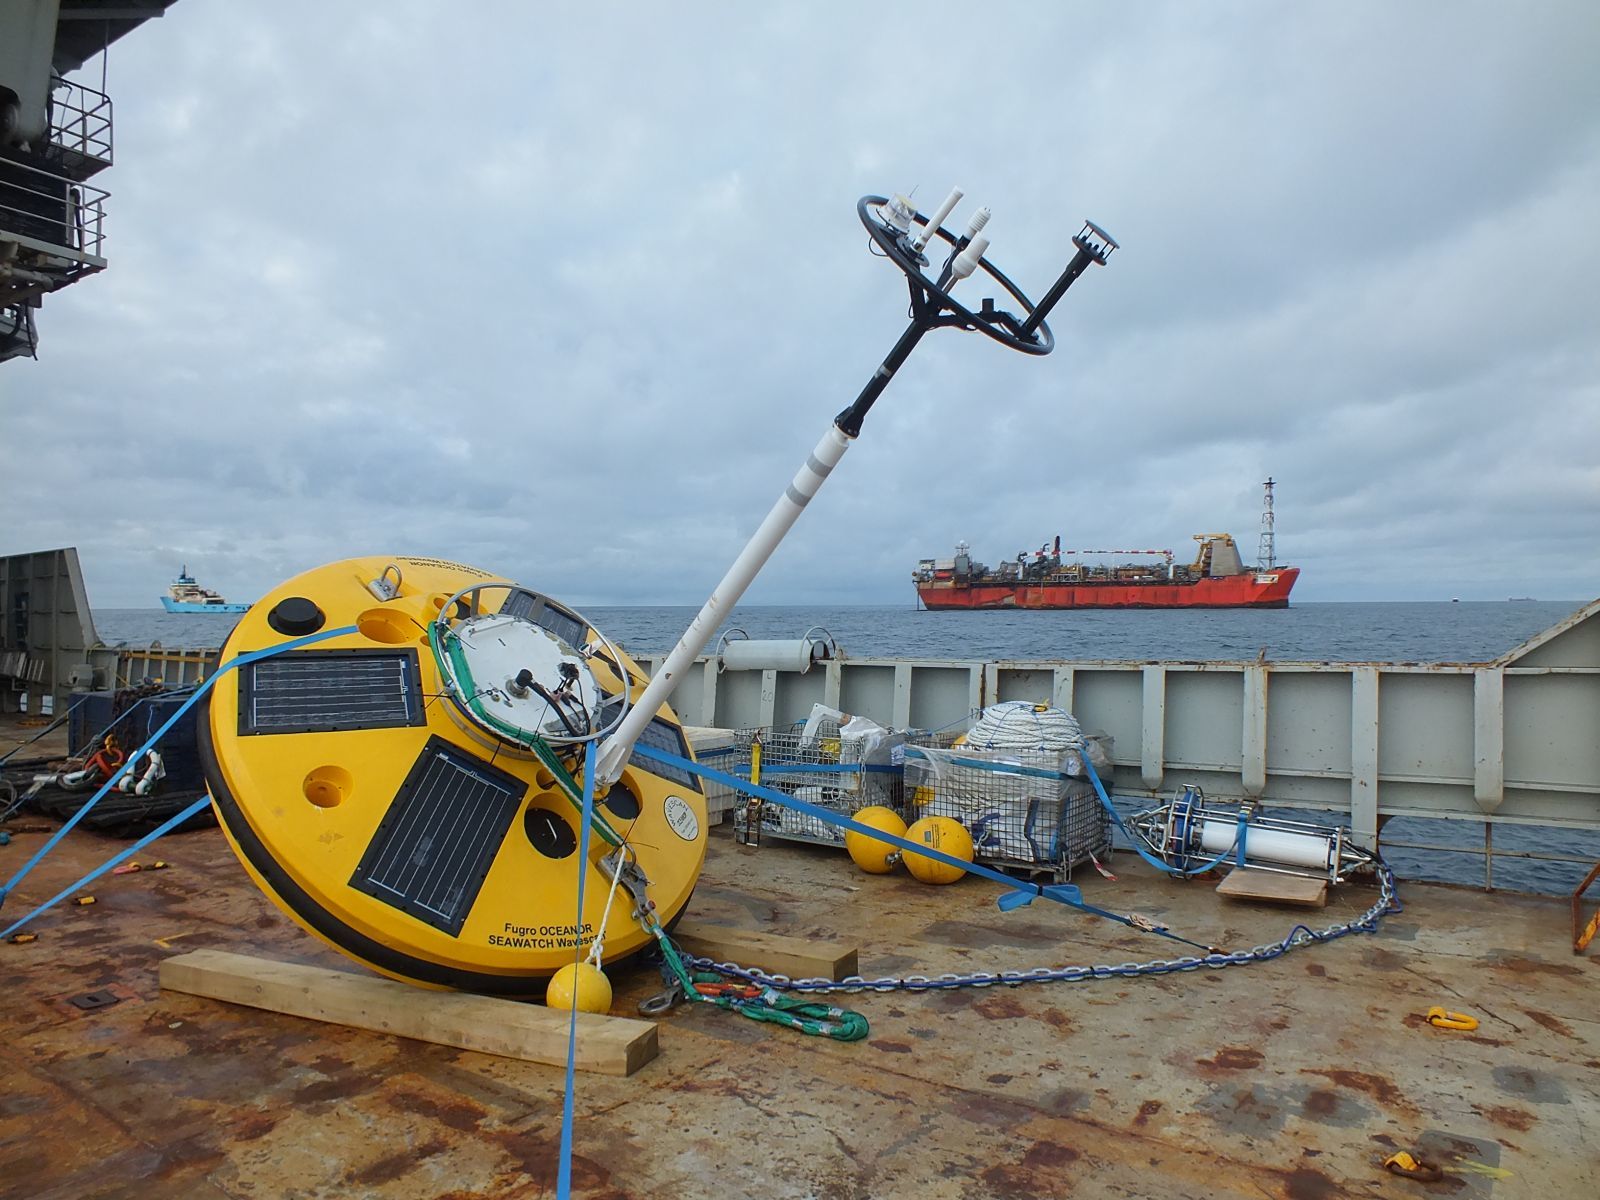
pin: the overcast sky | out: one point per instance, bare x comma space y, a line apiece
569, 291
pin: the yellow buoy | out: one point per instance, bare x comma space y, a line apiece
583, 979
872, 855
946, 835
409, 788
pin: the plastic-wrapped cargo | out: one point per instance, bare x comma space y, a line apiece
719, 749
1017, 782
831, 760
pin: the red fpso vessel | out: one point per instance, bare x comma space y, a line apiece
1216, 579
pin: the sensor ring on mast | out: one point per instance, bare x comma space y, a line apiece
1003, 327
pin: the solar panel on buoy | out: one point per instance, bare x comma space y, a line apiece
659, 735
331, 690
433, 849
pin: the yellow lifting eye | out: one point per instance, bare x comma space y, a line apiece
1440, 1019
1408, 1166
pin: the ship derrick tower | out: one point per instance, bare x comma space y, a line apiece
1267, 552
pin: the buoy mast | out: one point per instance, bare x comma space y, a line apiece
902, 235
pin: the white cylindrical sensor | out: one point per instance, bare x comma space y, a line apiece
925, 233
967, 261
1267, 845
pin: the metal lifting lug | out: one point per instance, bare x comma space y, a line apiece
627, 874
381, 588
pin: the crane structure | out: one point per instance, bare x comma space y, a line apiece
55, 136
1267, 551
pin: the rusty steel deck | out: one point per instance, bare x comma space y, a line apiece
1289, 1079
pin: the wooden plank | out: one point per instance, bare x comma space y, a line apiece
1244, 884
798, 958
510, 1028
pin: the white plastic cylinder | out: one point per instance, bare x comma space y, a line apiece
1267, 845
927, 232
967, 261
749, 655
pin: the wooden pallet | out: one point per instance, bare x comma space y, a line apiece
1274, 888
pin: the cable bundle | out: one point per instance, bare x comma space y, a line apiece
1020, 725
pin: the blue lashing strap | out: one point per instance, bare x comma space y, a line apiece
564, 1169
128, 763
779, 767
979, 764
1016, 894
166, 827
1133, 840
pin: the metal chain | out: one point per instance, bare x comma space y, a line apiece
1300, 935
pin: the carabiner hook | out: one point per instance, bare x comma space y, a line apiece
661, 1002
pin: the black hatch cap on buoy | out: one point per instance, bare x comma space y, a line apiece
296, 616
435, 845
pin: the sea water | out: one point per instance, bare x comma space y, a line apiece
1382, 632
1416, 632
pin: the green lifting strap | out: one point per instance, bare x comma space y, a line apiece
761, 1003
765, 1004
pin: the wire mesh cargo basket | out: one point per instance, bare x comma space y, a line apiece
817, 763
1027, 809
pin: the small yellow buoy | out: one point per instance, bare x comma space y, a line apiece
946, 835
587, 980
873, 856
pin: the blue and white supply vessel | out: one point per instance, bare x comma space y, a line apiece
187, 596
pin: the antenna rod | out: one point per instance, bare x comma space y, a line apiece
1094, 246
849, 421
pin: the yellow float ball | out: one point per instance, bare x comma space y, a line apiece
585, 979
872, 855
946, 835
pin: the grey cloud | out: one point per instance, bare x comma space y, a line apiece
571, 295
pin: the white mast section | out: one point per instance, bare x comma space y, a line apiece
807, 481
